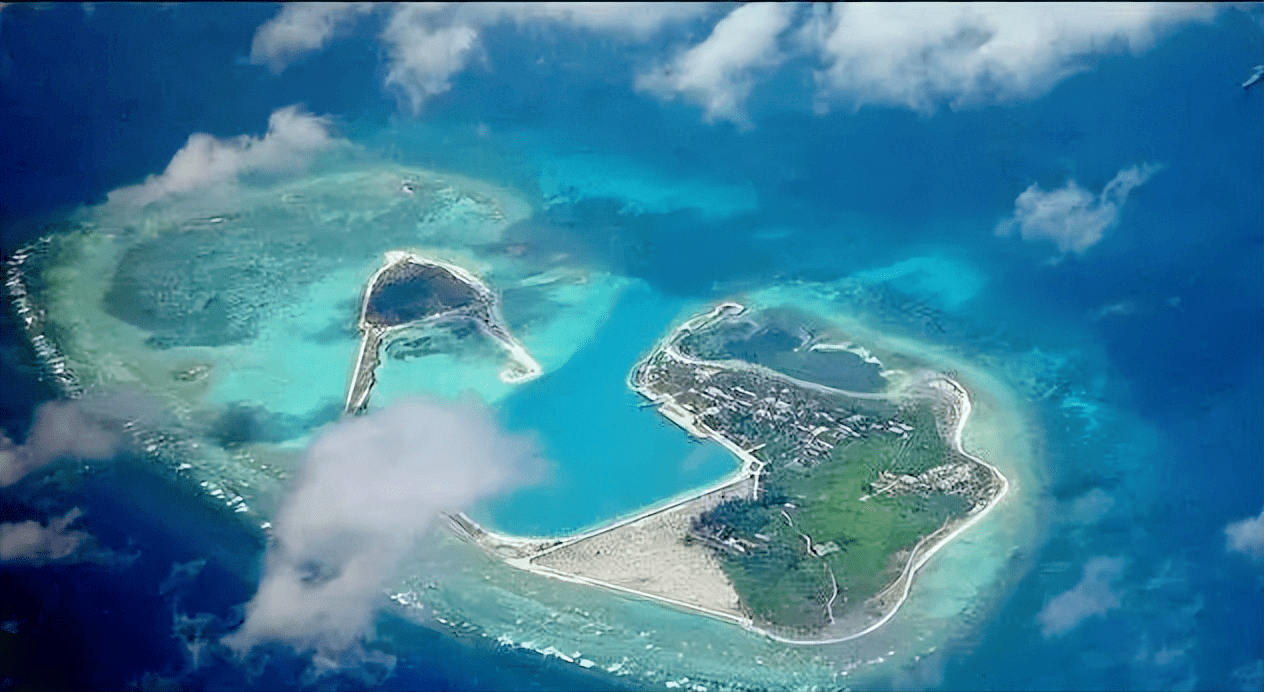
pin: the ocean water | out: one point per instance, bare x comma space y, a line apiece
1121, 392
584, 415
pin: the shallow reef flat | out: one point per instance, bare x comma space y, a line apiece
242, 320
239, 316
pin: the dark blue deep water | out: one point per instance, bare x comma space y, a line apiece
1164, 318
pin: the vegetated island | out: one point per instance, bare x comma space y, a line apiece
412, 296
841, 497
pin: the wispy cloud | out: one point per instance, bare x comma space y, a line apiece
182, 573
31, 542
293, 138
1089, 508
61, 429
1249, 676
1246, 536
428, 44
431, 43
1093, 595
925, 55
719, 73
370, 489
1070, 216
634, 20
90, 429
301, 28
426, 50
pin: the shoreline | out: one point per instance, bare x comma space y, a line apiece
749, 471
372, 338
916, 561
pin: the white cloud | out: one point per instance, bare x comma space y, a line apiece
1249, 676
429, 43
370, 489
1246, 536
292, 140
61, 429
425, 51
1072, 217
720, 72
1093, 595
300, 28
923, 55
87, 428
182, 573
34, 543
636, 20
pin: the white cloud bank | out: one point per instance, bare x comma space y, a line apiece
924, 55
1093, 595
370, 488
719, 73
1070, 216
301, 28
920, 56
1246, 537
293, 138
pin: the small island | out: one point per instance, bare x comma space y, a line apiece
411, 295
842, 495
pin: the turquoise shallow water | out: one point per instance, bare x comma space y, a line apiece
609, 456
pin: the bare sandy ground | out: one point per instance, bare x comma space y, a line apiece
649, 555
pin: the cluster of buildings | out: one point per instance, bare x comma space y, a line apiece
786, 423
956, 478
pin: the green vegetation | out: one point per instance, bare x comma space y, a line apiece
784, 584
849, 484
868, 532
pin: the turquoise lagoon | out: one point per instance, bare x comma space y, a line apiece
611, 456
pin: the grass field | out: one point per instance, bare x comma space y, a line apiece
781, 582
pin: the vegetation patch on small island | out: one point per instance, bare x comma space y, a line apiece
413, 305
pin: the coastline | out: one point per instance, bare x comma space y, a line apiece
749, 471
919, 556
491, 325
917, 561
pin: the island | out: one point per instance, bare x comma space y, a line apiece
412, 297
852, 476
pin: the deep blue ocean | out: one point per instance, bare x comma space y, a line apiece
1162, 321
